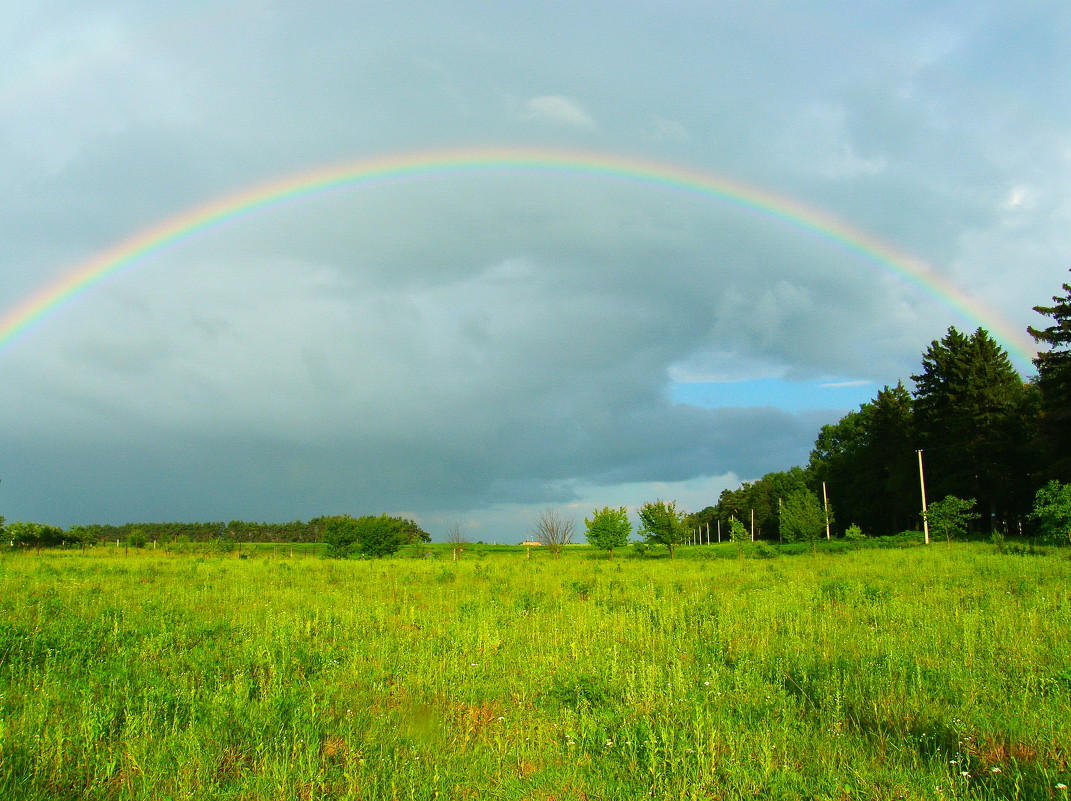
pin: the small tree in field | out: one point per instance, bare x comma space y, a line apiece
1052, 510
553, 531
854, 534
738, 533
608, 529
802, 518
457, 539
949, 517
662, 524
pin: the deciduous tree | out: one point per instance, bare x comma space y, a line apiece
662, 524
457, 539
340, 534
738, 533
553, 531
371, 536
608, 529
1052, 511
950, 516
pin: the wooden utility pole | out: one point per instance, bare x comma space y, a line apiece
922, 485
752, 525
825, 507
719, 530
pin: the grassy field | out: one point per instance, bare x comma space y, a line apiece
900, 673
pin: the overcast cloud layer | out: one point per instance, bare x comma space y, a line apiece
473, 348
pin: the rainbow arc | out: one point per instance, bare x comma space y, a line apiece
428, 165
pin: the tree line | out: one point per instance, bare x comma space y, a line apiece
990, 449
138, 535
971, 426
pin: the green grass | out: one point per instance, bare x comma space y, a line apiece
876, 674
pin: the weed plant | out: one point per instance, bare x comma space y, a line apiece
875, 674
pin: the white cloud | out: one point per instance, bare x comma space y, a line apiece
558, 110
664, 130
840, 384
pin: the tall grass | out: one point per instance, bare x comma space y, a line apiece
916, 673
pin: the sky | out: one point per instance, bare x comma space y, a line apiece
472, 342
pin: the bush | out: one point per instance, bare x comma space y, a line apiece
763, 550
854, 534
642, 548
1052, 511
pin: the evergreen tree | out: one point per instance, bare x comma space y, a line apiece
1054, 383
867, 460
890, 452
973, 419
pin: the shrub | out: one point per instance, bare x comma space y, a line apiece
642, 548
1052, 511
949, 516
763, 550
854, 533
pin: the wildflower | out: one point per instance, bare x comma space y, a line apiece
1061, 786
994, 770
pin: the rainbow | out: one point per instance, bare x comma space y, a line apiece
422, 165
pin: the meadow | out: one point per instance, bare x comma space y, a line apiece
915, 673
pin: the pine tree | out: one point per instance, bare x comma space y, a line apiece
1054, 382
890, 446
973, 419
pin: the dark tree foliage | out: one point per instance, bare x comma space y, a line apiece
1054, 383
868, 463
339, 532
33, 535
235, 531
370, 536
974, 418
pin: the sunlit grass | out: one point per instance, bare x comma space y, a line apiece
915, 673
